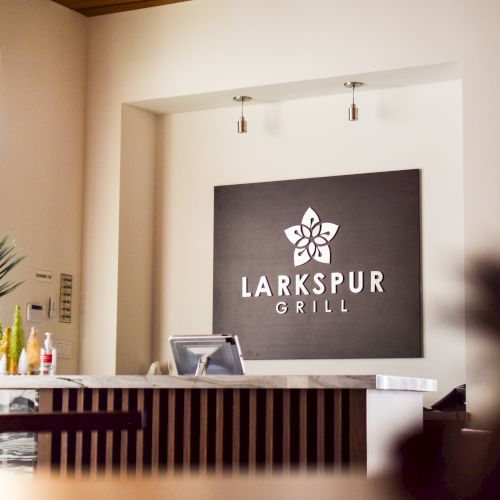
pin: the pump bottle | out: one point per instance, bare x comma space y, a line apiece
48, 356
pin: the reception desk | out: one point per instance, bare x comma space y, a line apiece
228, 423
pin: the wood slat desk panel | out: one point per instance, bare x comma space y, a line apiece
211, 429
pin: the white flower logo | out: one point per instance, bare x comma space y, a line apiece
311, 239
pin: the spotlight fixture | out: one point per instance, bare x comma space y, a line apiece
353, 109
242, 123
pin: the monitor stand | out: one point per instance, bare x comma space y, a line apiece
201, 369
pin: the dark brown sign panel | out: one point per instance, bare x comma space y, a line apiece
320, 268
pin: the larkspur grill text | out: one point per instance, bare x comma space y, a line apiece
316, 284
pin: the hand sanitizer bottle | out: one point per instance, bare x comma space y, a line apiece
48, 357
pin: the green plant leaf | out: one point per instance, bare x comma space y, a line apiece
8, 261
8, 287
9, 265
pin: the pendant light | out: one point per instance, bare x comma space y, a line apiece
242, 123
353, 109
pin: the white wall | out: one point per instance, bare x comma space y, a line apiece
212, 45
313, 138
42, 132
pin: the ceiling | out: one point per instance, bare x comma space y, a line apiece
100, 7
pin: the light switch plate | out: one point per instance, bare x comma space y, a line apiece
52, 307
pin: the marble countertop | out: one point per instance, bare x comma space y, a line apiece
382, 382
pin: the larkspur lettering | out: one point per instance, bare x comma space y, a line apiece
286, 286
315, 285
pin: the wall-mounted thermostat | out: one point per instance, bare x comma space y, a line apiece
34, 312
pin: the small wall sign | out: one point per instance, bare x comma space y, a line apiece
42, 275
320, 268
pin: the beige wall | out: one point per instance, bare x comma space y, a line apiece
42, 131
136, 237
211, 45
207, 46
481, 44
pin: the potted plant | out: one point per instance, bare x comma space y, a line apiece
9, 259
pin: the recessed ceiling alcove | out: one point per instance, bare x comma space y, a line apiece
286, 91
176, 148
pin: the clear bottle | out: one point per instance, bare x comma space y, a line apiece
48, 356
